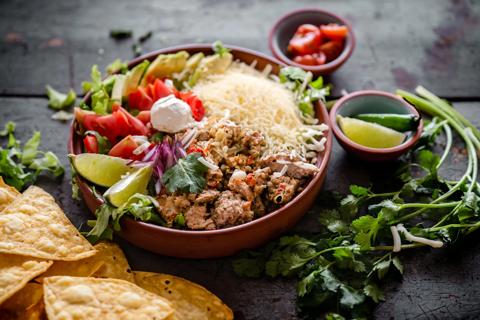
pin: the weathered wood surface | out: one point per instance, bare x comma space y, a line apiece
437, 285
399, 43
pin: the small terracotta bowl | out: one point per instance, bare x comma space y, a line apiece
285, 27
222, 242
371, 101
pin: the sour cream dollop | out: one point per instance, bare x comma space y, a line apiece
171, 115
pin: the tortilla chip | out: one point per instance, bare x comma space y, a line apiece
94, 298
7, 194
190, 300
28, 296
81, 268
16, 271
34, 225
115, 263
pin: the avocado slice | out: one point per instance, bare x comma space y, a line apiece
192, 63
165, 65
134, 76
211, 65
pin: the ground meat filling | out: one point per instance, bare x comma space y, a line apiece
246, 184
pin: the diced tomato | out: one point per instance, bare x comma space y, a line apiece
332, 49
144, 116
196, 105
194, 148
136, 126
250, 180
139, 99
306, 40
334, 31
124, 149
91, 144
160, 90
307, 60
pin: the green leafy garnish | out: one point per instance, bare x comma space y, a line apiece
139, 206
59, 101
117, 66
187, 175
306, 90
219, 49
20, 167
96, 82
120, 34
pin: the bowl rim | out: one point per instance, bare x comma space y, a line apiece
342, 58
384, 151
324, 155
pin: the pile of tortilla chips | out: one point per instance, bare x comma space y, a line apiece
48, 270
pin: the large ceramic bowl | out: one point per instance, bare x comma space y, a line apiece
223, 242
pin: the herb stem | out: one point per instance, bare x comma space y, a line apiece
429, 205
403, 246
386, 194
448, 134
453, 225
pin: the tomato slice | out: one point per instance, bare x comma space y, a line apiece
139, 99
124, 149
144, 116
332, 49
306, 40
334, 31
136, 126
194, 148
160, 90
196, 105
91, 144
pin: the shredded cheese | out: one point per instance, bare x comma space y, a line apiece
252, 100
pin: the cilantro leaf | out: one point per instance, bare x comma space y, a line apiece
187, 175
374, 292
351, 297
59, 101
332, 221
359, 191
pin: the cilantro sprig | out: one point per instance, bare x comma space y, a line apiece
341, 268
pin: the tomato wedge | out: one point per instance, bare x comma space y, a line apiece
334, 31
159, 90
306, 40
332, 49
124, 149
140, 100
136, 126
91, 144
196, 105
144, 116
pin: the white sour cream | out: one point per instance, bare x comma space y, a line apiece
171, 115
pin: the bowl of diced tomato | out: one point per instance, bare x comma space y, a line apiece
312, 39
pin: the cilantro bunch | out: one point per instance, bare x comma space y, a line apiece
341, 267
21, 166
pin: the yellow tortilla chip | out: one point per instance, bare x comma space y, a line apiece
190, 300
7, 194
94, 298
29, 295
81, 268
115, 263
16, 271
34, 225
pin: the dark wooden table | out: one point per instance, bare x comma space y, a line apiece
400, 44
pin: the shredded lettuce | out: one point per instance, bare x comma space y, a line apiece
59, 101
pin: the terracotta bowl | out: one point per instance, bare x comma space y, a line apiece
223, 242
285, 27
371, 101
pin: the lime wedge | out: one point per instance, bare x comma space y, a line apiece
370, 134
135, 182
100, 169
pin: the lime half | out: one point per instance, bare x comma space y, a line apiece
370, 134
135, 182
100, 169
